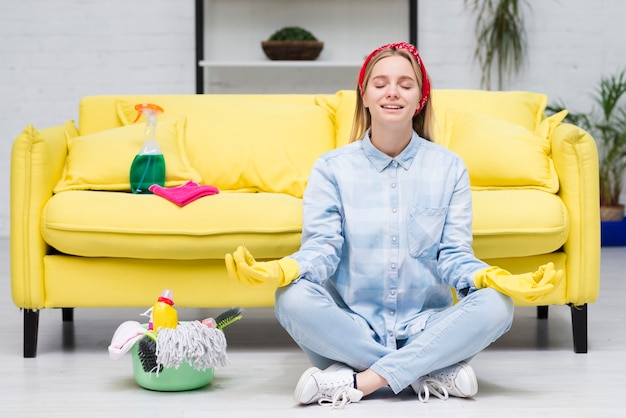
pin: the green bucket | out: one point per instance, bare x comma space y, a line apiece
170, 379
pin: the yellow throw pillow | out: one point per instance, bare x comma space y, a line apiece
32, 134
519, 107
39, 146
251, 145
499, 154
179, 105
547, 126
522, 108
68, 128
102, 160
341, 106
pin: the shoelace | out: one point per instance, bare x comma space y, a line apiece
338, 400
429, 385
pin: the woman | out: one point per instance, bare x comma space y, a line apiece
386, 234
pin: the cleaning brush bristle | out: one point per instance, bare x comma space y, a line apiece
228, 317
146, 351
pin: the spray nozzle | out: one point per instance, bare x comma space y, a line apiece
148, 109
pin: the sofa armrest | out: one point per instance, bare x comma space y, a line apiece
37, 161
575, 158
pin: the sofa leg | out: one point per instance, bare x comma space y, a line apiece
579, 327
31, 328
542, 312
68, 314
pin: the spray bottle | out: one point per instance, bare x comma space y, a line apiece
163, 314
148, 167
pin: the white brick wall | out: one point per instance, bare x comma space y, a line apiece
52, 53
571, 44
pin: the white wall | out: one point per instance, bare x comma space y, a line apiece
571, 44
52, 53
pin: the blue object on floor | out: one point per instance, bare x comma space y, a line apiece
613, 234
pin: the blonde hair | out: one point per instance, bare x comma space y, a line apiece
423, 122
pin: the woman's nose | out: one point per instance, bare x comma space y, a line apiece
392, 91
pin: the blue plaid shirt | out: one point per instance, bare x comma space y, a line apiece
388, 237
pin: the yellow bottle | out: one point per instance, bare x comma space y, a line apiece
163, 314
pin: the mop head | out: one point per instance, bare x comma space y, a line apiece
192, 342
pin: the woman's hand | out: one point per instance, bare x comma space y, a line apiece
526, 286
242, 266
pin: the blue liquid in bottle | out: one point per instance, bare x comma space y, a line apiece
146, 170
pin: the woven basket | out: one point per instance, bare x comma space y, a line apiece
292, 50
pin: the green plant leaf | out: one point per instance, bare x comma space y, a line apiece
500, 38
292, 33
606, 122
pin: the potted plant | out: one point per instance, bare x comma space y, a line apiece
292, 43
606, 122
500, 38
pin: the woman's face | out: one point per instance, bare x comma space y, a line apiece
392, 93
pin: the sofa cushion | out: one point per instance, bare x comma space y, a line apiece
68, 129
500, 154
102, 160
522, 108
249, 145
32, 134
341, 106
33, 148
518, 223
547, 126
99, 113
518, 107
106, 224
507, 223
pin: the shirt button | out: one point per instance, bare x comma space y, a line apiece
393, 185
394, 239
393, 266
394, 210
392, 312
392, 293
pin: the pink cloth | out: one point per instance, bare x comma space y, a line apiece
125, 336
185, 194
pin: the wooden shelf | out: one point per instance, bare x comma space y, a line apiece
344, 52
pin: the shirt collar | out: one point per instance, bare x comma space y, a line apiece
380, 160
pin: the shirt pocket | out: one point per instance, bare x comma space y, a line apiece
425, 230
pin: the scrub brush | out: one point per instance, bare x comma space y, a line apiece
146, 351
228, 317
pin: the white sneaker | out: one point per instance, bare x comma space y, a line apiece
457, 380
333, 386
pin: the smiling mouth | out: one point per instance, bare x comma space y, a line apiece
393, 107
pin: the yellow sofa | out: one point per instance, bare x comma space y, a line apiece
79, 239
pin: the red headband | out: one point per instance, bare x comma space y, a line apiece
416, 55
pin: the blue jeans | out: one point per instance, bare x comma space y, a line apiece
329, 334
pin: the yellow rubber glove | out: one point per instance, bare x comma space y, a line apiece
526, 286
242, 266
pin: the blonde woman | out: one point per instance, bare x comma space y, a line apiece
387, 232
